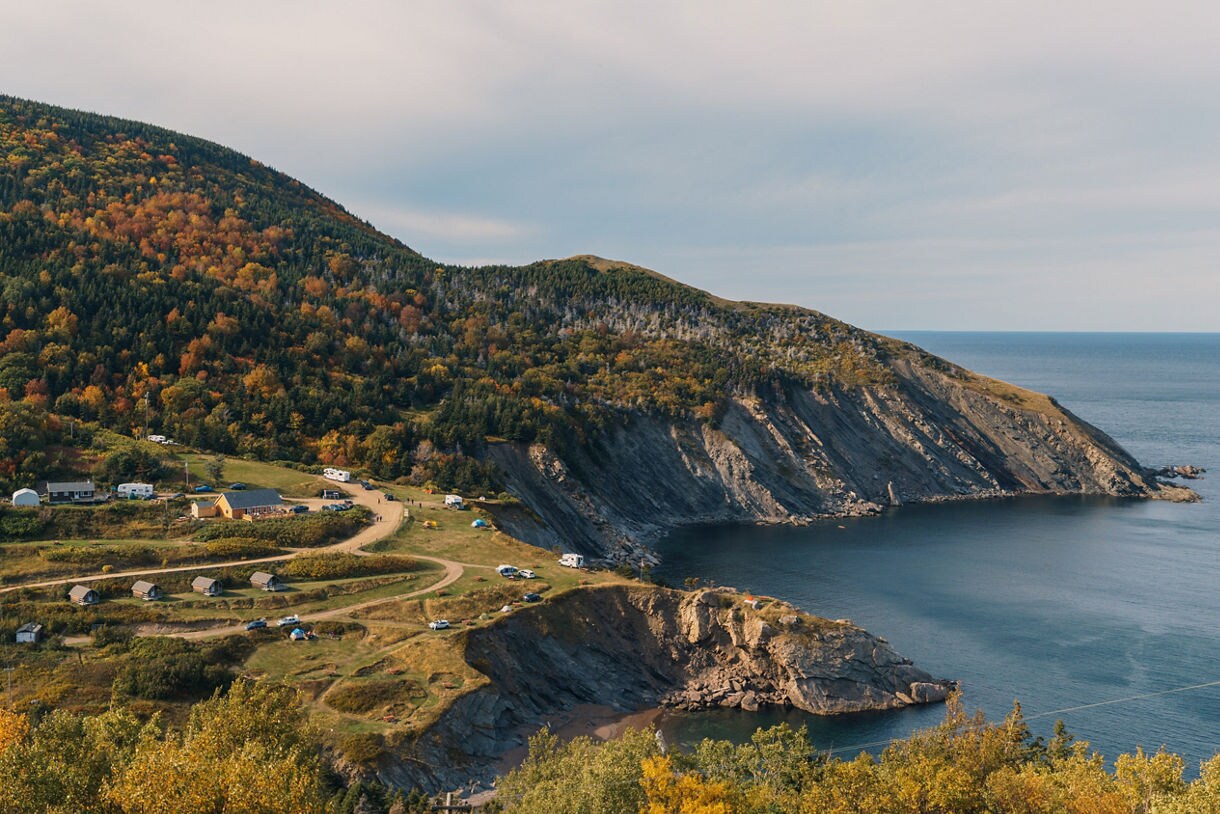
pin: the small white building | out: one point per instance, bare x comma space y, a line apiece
341, 475
26, 497
29, 633
136, 491
454, 502
572, 560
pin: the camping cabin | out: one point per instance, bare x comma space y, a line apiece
572, 560
203, 508
135, 491
69, 492
148, 591
265, 581
341, 475
250, 504
454, 502
207, 586
29, 633
26, 497
84, 595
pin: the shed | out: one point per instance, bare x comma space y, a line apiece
203, 508
147, 591
26, 497
29, 633
249, 504
84, 595
265, 581
207, 586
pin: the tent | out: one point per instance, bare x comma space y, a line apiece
297, 634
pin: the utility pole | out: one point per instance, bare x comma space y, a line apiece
186, 465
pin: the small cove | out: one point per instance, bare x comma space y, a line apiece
1056, 601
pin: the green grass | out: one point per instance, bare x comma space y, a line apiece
255, 474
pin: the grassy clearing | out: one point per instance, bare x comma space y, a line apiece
255, 474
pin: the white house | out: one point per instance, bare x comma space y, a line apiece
136, 491
29, 633
454, 501
26, 497
341, 475
572, 560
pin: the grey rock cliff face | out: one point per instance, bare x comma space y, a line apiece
792, 454
635, 647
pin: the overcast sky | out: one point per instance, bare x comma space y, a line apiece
941, 165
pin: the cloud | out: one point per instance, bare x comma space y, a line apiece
815, 152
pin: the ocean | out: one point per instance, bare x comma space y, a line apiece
1102, 612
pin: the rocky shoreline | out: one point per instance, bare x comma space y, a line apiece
632, 648
792, 455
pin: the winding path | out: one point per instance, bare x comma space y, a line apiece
388, 516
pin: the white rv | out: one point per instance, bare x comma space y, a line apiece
454, 501
572, 560
157, 439
135, 491
341, 475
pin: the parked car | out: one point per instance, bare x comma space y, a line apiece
439, 624
532, 597
526, 573
388, 496
237, 487
256, 624
288, 620
331, 494
299, 509
203, 487
506, 609
366, 485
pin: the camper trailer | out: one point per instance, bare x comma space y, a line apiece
135, 491
341, 475
572, 560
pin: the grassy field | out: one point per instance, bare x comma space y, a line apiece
256, 475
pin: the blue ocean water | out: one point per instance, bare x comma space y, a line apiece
1057, 602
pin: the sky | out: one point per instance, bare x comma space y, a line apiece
943, 165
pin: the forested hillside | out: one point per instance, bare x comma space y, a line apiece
149, 277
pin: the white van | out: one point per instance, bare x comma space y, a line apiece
135, 491
341, 475
572, 560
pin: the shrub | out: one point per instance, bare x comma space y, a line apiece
340, 565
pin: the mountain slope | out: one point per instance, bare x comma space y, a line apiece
151, 278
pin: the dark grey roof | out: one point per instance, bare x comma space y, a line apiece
30, 627
71, 486
79, 592
252, 498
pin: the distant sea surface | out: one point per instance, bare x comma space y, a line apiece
1061, 603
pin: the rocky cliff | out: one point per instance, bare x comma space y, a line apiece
636, 647
791, 453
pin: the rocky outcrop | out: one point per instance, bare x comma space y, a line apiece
791, 453
635, 647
